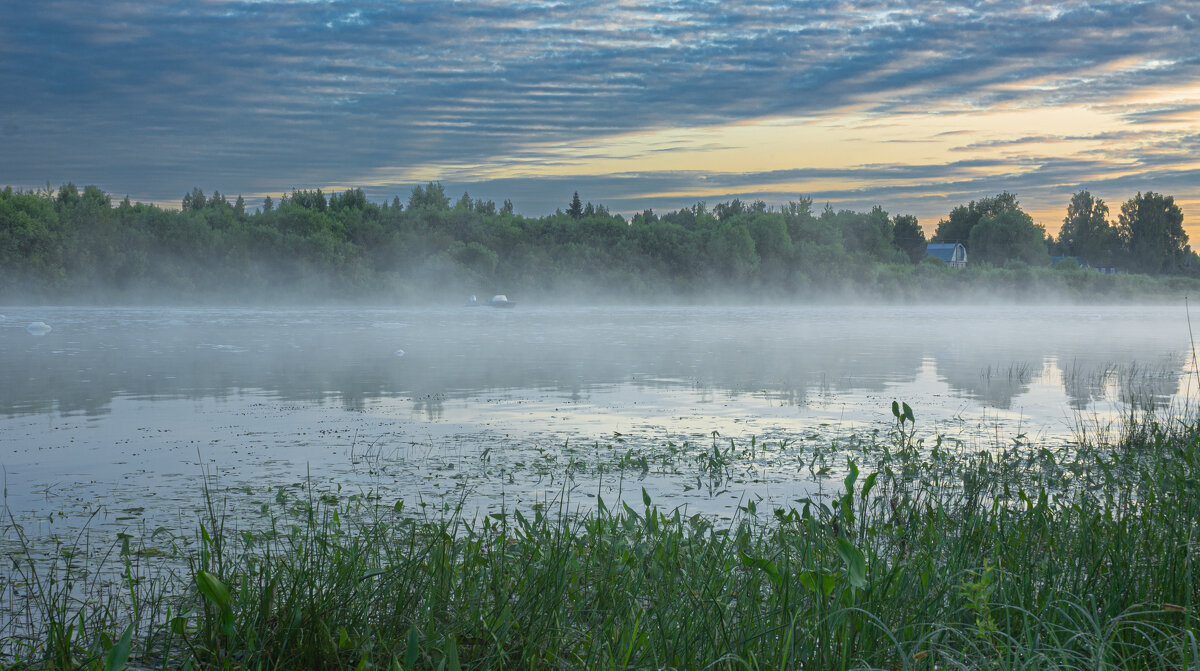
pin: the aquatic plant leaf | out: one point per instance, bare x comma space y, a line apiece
452, 655
410, 655
818, 583
868, 485
118, 656
212, 588
856, 565
216, 592
631, 512
766, 566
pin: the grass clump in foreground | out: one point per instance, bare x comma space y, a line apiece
1021, 558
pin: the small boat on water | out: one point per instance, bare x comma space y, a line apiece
497, 301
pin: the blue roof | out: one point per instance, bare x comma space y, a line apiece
942, 250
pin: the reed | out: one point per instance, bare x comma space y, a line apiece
929, 556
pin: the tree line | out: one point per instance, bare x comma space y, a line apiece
70, 243
1147, 237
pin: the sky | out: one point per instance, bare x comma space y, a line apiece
914, 106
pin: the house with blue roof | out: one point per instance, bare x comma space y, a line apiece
953, 253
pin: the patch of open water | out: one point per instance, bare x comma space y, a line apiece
117, 412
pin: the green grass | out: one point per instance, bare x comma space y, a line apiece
930, 556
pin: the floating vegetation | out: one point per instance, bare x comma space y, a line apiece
920, 554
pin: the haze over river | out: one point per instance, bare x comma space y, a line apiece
123, 410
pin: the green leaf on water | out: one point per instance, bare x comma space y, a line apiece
645, 497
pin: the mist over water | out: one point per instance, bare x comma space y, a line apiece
123, 405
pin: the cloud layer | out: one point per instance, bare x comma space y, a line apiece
635, 104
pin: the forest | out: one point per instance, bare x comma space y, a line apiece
72, 245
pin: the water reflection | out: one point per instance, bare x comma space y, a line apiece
350, 357
122, 406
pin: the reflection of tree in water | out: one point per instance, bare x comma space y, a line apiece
1084, 380
432, 406
1091, 378
971, 368
314, 361
792, 357
994, 384
1152, 386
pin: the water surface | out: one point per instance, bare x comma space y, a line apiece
121, 410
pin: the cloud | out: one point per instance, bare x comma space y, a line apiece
261, 96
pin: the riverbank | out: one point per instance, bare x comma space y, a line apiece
929, 556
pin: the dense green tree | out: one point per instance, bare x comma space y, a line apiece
1007, 236
309, 199
773, 245
30, 248
957, 227
733, 208
476, 258
350, 199
644, 217
73, 243
194, 200
575, 209
1151, 227
732, 254
908, 237
431, 197
1086, 232
868, 234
